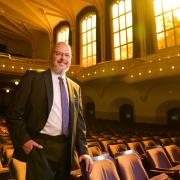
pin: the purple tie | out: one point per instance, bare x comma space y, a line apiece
65, 107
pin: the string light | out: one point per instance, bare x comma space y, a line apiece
7, 90
16, 83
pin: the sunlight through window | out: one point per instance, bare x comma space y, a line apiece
122, 30
167, 18
88, 40
63, 34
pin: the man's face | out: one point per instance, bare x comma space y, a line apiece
61, 58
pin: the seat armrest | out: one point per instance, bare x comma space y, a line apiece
4, 170
175, 163
169, 172
4, 173
165, 169
76, 174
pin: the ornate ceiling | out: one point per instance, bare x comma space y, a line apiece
19, 18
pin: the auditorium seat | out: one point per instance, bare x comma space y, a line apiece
94, 150
137, 146
121, 140
173, 153
159, 160
114, 148
148, 143
131, 168
18, 169
4, 172
165, 141
144, 138
105, 143
175, 140
104, 169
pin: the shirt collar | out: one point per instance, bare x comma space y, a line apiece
58, 75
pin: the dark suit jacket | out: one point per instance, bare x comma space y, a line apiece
30, 108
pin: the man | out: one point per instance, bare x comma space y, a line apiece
45, 131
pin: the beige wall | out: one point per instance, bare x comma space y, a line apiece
15, 46
150, 99
38, 47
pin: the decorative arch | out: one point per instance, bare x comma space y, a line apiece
125, 108
89, 108
162, 110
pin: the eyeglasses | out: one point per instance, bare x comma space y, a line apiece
57, 53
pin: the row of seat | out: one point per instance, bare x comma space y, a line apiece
129, 166
104, 142
112, 146
116, 125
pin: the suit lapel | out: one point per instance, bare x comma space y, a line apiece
49, 88
71, 101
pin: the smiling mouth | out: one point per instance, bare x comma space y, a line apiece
61, 62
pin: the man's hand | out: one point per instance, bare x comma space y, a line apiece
89, 162
27, 146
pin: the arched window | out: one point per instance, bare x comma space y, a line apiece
167, 18
88, 40
88, 37
62, 33
122, 29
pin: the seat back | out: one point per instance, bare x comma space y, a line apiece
19, 169
148, 143
158, 157
165, 141
173, 152
130, 167
137, 146
105, 143
94, 150
104, 169
116, 147
175, 140
121, 140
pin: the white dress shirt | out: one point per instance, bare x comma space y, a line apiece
53, 125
